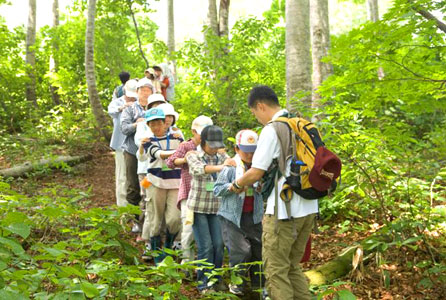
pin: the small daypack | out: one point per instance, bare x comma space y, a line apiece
314, 168
119, 91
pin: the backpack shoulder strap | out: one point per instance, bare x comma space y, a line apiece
285, 137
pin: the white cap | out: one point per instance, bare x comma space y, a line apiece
169, 111
246, 140
145, 82
130, 88
150, 70
200, 122
155, 98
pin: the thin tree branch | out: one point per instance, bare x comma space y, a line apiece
410, 71
429, 16
137, 33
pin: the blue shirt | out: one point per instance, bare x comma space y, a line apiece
231, 204
128, 118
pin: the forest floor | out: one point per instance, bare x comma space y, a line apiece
98, 175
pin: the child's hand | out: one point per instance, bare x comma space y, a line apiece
229, 162
145, 140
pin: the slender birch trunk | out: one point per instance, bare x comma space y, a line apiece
297, 48
96, 106
224, 17
320, 32
31, 53
171, 35
54, 62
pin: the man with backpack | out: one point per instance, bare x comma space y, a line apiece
286, 226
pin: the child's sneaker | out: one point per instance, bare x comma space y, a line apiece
176, 246
136, 228
147, 254
235, 289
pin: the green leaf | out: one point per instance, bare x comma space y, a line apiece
236, 279
89, 289
345, 295
54, 252
11, 296
13, 245
3, 265
20, 228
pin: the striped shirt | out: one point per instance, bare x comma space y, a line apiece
157, 172
201, 197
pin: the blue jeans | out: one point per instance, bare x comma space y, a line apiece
207, 234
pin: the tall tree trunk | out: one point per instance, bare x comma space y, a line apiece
224, 17
320, 32
31, 53
54, 62
372, 10
373, 16
213, 17
297, 48
171, 35
96, 106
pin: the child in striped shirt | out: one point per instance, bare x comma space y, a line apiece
163, 192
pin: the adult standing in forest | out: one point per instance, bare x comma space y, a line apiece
130, 118
115, 108
284, 277
166, 79
119, 90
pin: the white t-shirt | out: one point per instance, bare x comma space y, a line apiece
268, 148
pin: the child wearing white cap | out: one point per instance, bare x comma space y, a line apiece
241, 214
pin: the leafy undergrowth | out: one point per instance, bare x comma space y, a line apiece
66, 241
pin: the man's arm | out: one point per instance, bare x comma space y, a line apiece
249, 178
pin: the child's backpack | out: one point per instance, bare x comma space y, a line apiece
314, 168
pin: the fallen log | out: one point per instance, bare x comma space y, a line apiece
23, 169
333, 269
346, 261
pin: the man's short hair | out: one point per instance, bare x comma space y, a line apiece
124, 76
264, 94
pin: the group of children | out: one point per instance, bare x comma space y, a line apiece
184, 185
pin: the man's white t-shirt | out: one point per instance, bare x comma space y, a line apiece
268, 148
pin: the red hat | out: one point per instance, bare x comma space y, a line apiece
327, 167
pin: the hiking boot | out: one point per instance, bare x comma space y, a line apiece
155, 243
170, 239
235, 289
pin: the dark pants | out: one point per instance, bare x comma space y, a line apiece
131, 168
245, 245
